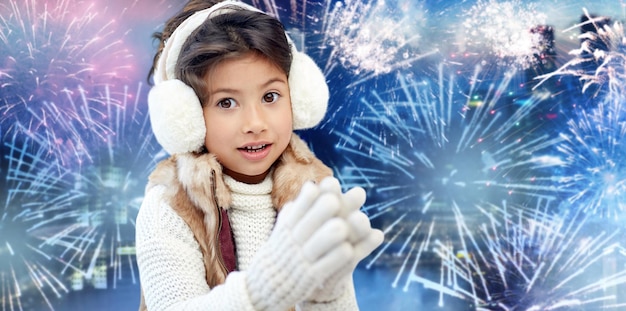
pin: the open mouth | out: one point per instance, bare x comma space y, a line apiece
254, 149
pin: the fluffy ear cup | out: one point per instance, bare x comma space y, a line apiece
309, 91
176, 117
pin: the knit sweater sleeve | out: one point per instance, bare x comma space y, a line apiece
170, 264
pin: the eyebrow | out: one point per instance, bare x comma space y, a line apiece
229, 90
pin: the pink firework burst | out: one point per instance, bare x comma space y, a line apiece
56, 57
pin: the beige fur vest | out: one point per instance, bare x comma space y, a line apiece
197, 192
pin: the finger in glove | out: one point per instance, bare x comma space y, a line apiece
293, 211
324, 208
360, 226
330, 184
329, 236
364, 247
352, 201
336, 260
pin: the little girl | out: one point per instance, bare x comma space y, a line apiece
243, 216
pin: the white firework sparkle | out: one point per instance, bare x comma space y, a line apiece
523, 258
600, 61
504, 29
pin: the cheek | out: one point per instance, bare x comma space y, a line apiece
286, 119
213, 126
288, 115
286, 128
289, 122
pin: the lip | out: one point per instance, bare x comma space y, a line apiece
256, 155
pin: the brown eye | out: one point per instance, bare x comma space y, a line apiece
227, 103
270, 97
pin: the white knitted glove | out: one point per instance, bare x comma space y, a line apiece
362, 236
308, 244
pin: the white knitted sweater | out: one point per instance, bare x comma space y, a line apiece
170, 261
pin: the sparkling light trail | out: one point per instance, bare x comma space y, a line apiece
118, 176
592, 163
75, 223
525, 259
599, 63
590, 156
55, 59
505, 29
38, 230
365, 39
440, 147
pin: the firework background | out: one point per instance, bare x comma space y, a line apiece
489, 135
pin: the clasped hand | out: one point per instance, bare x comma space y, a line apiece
317, 242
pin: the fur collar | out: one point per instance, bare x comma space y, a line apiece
196, 191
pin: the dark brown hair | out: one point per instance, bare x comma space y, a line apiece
224, 36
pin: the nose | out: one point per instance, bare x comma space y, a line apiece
255, 119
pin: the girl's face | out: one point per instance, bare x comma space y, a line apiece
247, 116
